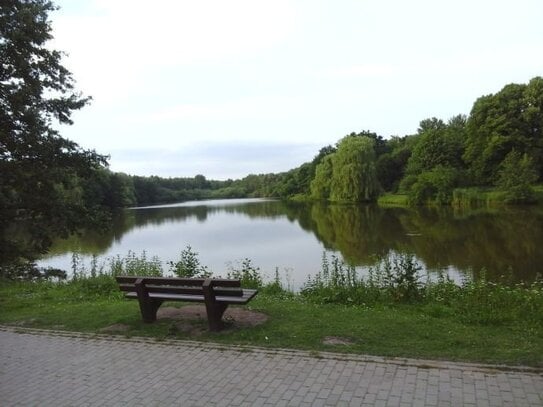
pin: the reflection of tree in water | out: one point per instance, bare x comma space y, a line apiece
362, 233
469, 240
99, 241
161, 215
95, 241
500, 241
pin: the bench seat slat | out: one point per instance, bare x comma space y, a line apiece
232, 292
246, 297
217, 282
161, 280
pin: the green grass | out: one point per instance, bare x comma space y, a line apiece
463, 197
393, 200
431, 330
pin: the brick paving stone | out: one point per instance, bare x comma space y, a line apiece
41, 368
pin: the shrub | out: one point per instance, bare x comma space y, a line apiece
275, 287
247, 273
188, 265
436, 185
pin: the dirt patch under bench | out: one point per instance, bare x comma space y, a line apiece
192, 319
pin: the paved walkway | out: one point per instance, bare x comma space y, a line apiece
43, 368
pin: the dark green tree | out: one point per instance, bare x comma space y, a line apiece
435, 185
391, 166
40, 171
438, 145
323, 152
511, 119
516, 175
430, 124
434, 168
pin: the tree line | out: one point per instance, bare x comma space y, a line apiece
498, 145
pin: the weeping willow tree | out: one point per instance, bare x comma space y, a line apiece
320, 186
349, 174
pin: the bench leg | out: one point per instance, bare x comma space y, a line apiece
215, 312
149, 308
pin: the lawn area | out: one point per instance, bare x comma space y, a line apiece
406, 330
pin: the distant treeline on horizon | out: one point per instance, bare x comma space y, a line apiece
499, 145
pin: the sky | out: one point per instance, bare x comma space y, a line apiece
230, 88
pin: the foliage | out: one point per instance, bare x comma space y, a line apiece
516, 176
435, 185
397, 280
354, 176
275, 288
433, 169
134, 265
438, 145
247, 273
321, 184
30, 272
104, 188
40, 186
511, 119
391, 166
393, 280
487, 303
188, 265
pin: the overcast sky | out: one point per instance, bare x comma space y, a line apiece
228, 88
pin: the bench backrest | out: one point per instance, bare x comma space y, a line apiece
172, 285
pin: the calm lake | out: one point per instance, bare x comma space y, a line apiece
293, 237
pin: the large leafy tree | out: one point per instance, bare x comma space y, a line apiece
438, 144
40, 172
391, 166
511, 119
516, 175
435, 166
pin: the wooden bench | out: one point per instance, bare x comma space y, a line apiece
217, 294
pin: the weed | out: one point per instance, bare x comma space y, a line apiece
247, 273
189, 265
134, 265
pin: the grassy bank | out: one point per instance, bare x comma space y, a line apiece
465, 197
483, 322
393, 200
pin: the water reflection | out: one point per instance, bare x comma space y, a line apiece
293, 235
